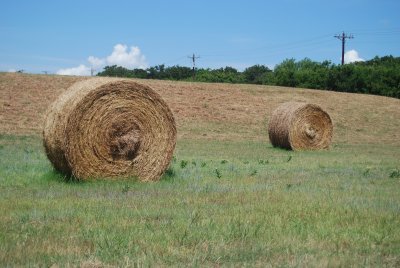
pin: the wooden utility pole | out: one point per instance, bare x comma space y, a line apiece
193, 58
343, 38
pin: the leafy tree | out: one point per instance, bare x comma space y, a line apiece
178, 73
285, 73
255, 74
380, 76
115, 70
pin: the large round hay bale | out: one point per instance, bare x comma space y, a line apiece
300, 126
105, 127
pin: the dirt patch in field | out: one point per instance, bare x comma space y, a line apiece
213, 111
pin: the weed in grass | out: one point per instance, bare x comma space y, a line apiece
203, 164
194, 163
292, 185
28, 151
395, 174
170, 172
194, 217
289, 158
218, 173
254, 172
184, 163
224, 161
125, 188
366, 172
60, 177
263, 162
239, 230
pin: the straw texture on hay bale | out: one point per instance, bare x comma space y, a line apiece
300, 126
105, 127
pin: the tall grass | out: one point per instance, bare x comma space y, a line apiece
263, 207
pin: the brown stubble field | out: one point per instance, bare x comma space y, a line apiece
213, 111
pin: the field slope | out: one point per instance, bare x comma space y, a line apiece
214, 111
229, 197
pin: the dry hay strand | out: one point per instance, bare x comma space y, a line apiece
108, 128
300, 126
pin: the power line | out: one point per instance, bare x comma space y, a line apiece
388, 31
175, 60
273, 47
304, 45
343, 38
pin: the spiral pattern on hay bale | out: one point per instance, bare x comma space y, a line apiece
300, 126
105, 127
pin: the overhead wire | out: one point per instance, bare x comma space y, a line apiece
304, 45
280, 46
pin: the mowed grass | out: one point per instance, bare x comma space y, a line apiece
222, 203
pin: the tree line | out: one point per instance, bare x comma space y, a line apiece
379, 76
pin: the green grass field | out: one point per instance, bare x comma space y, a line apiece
221, 203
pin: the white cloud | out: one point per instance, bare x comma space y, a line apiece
12, 71
131, 58
82, 70
352, 56
128, 59
96, 62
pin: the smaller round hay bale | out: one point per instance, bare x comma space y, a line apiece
106, 127
300, 126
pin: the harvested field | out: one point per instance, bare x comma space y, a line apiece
213, 111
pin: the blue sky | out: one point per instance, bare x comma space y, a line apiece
57, 36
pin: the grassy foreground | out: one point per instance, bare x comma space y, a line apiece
221, 203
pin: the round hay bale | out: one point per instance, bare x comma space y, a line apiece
300, 126
105, 127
